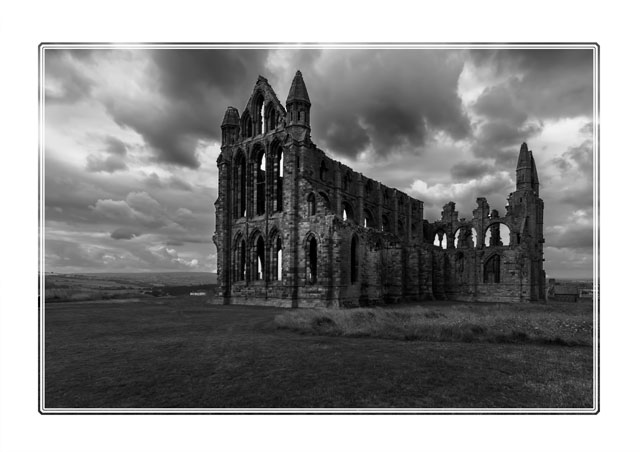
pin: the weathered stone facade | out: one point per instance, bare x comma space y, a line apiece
296, 228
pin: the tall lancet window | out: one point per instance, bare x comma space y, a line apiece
261, 188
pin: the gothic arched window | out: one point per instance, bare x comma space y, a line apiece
261, 173
239, 260
239, 196
275, 268
312, 260
259, 267
323, 171
278, 178
311, 204
492, 269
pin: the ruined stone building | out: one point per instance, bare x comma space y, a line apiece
296, 228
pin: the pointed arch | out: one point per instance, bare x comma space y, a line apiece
369, 219
347, 212
259, 161
270, 117
346, 181
440, 239
276, 255
491, 270
257, 256
246, 125
239, 195
459, 266
277, 175
497, 234
323, 203
258, 112
311, 251
385, 223
465, 237
311, 204
368, 187
239, 258
323, 171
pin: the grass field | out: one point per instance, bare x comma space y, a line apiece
181, 352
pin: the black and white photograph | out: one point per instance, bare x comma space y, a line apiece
306, 228
320, 226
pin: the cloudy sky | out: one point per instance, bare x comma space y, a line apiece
132, 137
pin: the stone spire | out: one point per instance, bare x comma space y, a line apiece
524, 170
298, 90
524, 159
298, 110
230, 126
231, 117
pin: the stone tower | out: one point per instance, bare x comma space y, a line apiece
525, 205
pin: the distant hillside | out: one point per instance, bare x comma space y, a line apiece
101, 286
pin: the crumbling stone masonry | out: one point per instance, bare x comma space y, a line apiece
296, 228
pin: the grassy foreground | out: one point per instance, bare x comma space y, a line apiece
180, 353
559, 324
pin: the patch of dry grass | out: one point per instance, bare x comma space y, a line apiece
498, 323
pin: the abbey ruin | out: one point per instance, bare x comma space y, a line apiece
295, 228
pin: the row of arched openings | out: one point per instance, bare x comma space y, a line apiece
497, 234
256, 260
369, 220
268, 170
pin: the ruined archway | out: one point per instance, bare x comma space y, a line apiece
497, 234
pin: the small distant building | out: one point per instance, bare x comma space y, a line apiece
562, 292
585, 294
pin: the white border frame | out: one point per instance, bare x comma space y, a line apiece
520, 46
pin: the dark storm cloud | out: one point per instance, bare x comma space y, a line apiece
125, 234
500, 139
505, 127
552, 83
389, 100
185, 74
497, 102
187, 94
542, 84
463, 171
578, 157
193, 89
